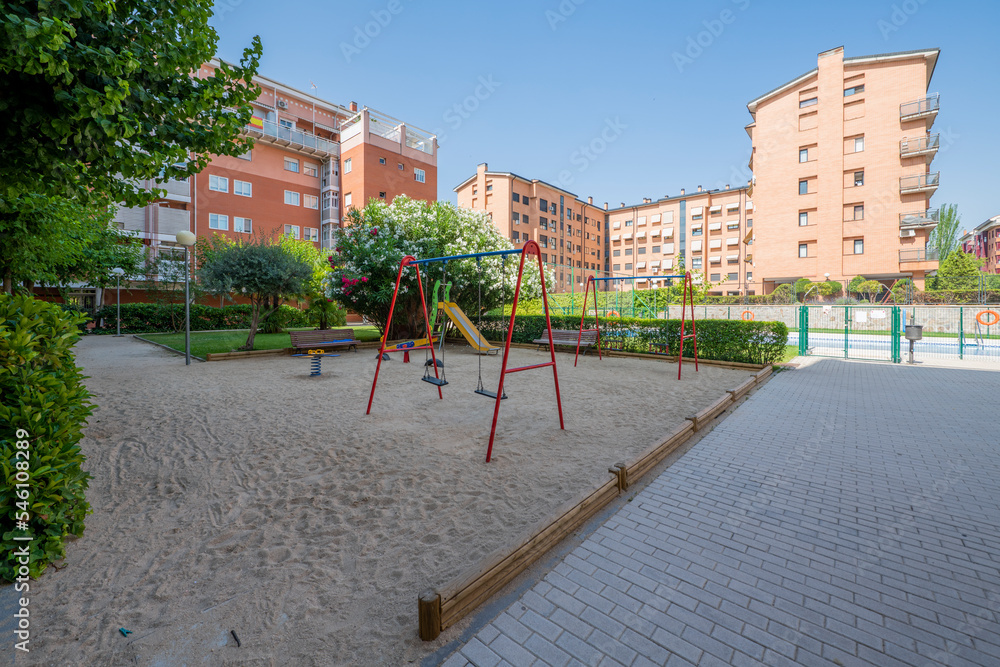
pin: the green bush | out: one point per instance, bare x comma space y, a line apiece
723, 340
169, 317
43, 408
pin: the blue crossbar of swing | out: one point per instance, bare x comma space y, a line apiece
637, 277
475, 254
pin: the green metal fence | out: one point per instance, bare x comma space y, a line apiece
850, 332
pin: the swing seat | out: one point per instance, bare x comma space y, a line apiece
491, 394
437, 381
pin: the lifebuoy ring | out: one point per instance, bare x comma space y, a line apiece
743, 316
995, 314
612, 313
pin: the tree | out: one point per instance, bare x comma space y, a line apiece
944, 237
259, 269
958, 271
99, 95
369, 250
830, 288
55, 241
853, 286
869, 289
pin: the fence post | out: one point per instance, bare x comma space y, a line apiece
847, 319
961, 332
803, 331
896, 354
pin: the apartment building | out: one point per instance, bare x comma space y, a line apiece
842, 175
569, 230
705, 232
311, 162
984, 242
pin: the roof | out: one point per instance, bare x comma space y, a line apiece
510, 174
687, 195
989, 224
930, 54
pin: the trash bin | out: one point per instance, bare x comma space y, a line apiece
913, 332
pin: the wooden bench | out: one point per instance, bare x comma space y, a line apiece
319, 339
568, 337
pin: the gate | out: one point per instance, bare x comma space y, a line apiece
865, 332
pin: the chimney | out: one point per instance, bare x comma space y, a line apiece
623, 205
699, 188
682, 190
354, 106
646, 200
727, 186
590, 200
605, 206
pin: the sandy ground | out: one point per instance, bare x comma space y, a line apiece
245, 495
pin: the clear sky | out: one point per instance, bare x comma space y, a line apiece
658, 90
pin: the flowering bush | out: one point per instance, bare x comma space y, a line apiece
369, 250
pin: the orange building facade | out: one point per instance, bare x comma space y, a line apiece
842, 175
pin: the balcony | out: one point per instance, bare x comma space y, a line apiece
925, 107
304, 142
918, 255
919, 219
926, 145
919, 183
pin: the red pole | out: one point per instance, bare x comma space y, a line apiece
392, 306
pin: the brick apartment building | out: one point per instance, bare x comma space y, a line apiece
984, 242
312, 161
842, 175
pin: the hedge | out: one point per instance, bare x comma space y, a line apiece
43, 407
752, 342
156, 317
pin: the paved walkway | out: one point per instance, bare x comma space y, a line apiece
846, 514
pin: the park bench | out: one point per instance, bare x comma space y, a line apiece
319, 339
568, 337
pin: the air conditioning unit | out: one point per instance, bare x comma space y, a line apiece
282, 104
907, 233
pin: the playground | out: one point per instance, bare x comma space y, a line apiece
248, 496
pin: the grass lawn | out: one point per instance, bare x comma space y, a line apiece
211, 342
791, 351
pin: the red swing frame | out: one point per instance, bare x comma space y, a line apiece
688, 294
529, 247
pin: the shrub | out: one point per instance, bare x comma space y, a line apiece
43, 409
161, 318
723, 340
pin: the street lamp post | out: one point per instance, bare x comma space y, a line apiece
187, 239
118, 286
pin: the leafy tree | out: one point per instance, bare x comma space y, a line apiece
830, 288
259, 269
99, 95
855, 283
56, 241
869, 289
958, 271
944, 237
369, 251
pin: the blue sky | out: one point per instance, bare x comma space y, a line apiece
526, 85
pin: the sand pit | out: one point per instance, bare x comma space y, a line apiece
245, 495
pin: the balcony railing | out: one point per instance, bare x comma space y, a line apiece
918, 255
286, 136
919, 182
925, 106
927, 218
919, 145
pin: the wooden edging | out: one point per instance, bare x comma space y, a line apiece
439, 609
243, 354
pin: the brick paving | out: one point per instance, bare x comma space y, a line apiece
846, 514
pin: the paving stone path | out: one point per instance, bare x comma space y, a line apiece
846, 514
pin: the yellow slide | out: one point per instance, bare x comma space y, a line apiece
468, 329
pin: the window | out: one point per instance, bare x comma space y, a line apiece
517, 217
642, 251
310, 201
859, 144
749, 223
803, 218
803, 250
218, 183
628, 252
515, 236
489, 188
714, 277
310, 169
803, 187
617, 267
733, 226
347, 165
381, 160
628, 223
516, 197
525, 219
859, 178
696, 231
216, 221
803, 155
311, 233
656, 249
242, 225
628, 267
734, 276
616, 253
399, 166
859, 246
292, 230
291, 198
543, 205
859, 212
381, 195
552, 208
291, 165
419, 176
696, 263
808, 103
854, 91
749, 276
243, 188
329, 200
286, 123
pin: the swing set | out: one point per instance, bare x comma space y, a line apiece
440, 380
688, 294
